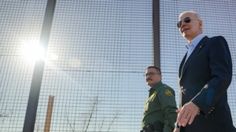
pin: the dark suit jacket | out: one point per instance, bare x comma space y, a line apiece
204, 79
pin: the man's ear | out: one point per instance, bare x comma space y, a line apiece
200, 24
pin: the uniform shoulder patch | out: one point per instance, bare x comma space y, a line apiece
168, 92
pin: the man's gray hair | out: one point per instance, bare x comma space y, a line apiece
192, 12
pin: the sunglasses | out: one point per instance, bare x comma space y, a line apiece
186, 20
151, 74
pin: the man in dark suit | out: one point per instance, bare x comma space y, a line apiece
205, 74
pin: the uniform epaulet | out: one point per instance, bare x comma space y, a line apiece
168, 91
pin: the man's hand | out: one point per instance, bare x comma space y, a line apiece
176, 130
187, 113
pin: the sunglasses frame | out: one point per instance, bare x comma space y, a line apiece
186, 20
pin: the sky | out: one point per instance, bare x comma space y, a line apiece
97, 53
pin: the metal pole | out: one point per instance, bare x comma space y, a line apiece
156, 31
31, 110
49, 114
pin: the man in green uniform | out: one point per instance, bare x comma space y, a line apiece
160, 107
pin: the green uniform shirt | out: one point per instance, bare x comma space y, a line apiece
160, 107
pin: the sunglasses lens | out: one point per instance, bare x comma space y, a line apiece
186, 20
179, 24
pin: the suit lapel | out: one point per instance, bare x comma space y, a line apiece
182, 65
186, 63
